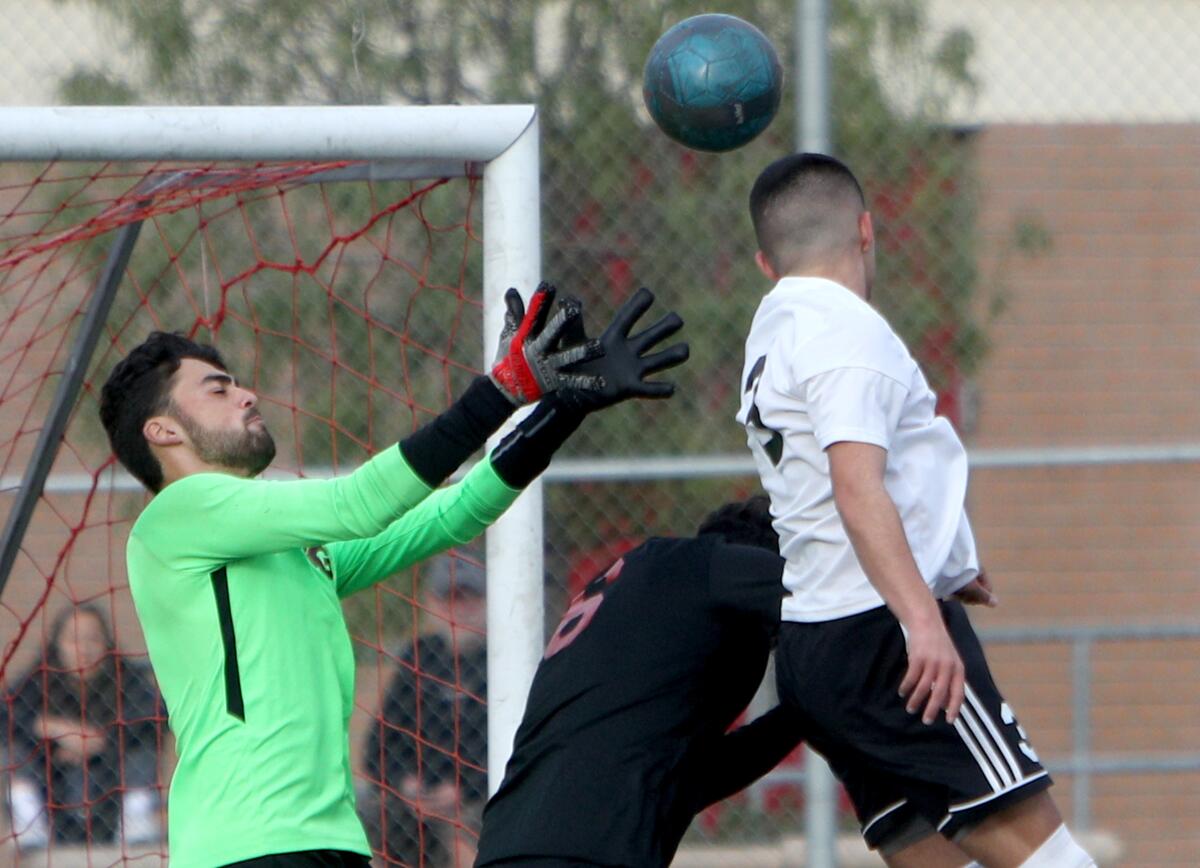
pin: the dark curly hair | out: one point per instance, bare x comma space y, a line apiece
139, 387
746, 522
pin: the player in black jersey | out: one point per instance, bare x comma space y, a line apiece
624, 735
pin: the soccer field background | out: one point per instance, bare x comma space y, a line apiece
1033, 167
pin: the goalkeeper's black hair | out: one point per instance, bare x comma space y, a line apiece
139, 387
746, 522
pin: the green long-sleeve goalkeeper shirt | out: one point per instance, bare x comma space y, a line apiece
237, 585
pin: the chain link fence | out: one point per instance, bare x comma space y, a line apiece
1032, 169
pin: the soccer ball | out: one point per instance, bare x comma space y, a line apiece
713, 82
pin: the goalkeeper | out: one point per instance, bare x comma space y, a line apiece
237, 581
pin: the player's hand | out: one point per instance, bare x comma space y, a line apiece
935, 679
535, 347
978, 592
620, 369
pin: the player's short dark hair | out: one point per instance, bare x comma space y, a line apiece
746, 522
139, 387
795, 201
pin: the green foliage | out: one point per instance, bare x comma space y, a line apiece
87, 87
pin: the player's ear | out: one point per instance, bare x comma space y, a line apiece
162, 431
866, 232
764, 265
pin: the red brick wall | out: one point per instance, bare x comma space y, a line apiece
1101, 339
1099, 345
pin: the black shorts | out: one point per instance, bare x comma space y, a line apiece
844, 677
307, 859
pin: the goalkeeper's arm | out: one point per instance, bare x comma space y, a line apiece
527, 366
461, 512
229, 517
458, 513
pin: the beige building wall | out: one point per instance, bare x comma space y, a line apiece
43, 40
1078, 61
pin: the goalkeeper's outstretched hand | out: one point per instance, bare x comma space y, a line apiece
535, 347
620, 368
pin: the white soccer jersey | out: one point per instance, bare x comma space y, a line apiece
822, 366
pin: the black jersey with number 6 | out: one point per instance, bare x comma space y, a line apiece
625, 736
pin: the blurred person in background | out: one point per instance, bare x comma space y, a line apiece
85, 726
426, 752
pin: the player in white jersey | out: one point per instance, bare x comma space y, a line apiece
867, 491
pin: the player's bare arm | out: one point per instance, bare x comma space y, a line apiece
934, 678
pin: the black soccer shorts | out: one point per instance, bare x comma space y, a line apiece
844, 677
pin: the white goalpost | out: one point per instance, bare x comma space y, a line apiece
497, 143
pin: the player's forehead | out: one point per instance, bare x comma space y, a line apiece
197, 373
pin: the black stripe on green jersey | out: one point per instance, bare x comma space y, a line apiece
233, 681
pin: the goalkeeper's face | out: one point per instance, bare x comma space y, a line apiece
221, 419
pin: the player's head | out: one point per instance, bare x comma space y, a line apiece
172, 401
80, 642
745, 522
810, 218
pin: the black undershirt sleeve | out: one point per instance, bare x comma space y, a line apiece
526, 451
440, 447
743, 756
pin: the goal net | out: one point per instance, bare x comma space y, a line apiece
345, 265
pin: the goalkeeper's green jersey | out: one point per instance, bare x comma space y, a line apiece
237, 585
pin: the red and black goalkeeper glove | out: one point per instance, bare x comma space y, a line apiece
620, 368
535, 348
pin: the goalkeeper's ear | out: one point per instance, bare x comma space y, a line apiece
162, 431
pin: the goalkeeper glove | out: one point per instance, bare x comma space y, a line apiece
619, 370
531, 359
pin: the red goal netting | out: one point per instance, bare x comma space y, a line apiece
350, 307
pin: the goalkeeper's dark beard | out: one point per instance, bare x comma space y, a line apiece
248, 451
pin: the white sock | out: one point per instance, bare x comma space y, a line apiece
1059, 851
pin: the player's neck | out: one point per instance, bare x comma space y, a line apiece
848, 272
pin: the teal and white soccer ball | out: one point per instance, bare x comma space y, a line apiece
713, 82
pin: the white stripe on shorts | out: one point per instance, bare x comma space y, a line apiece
990, 723
979, 743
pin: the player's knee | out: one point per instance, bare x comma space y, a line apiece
1059, 851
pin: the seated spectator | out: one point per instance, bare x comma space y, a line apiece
426, 752
81, 734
